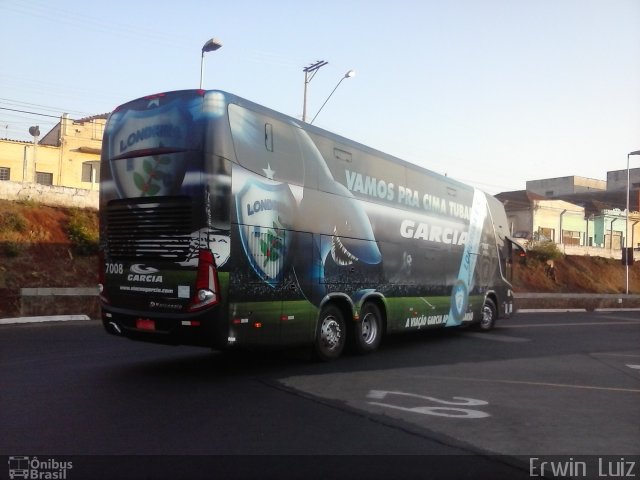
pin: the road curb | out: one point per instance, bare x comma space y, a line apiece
50, 318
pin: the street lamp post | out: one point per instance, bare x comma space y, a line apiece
35, 133
211, 46
309, 73
349, 74
626, 239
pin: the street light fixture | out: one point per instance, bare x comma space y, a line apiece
626, 239
311, 69
211, 46
349, 74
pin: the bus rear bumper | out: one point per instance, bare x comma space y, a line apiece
203, 329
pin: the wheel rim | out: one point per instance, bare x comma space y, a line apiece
487, 317
331, 333
369, 328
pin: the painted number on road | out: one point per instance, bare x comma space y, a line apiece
375, 397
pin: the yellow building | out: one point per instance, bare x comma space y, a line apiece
67, 156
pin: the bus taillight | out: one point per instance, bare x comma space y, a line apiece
206, 282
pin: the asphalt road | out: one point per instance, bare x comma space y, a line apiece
454, 404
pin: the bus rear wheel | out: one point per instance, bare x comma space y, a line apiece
489, 315
367, 333
331, 334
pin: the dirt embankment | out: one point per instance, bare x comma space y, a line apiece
576, 274
38, 248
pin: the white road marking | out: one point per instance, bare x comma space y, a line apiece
453, 412
580, 324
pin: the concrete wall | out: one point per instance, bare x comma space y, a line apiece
48, 195
59, 301
614, 253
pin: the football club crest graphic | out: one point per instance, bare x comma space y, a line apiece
159, 131
459, 300
265, 212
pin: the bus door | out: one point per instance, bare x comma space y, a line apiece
297, 320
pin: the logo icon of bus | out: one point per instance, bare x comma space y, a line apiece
18, 467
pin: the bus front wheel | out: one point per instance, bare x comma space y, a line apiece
331, 334
367, 333
489, 315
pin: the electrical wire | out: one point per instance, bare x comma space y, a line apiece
30, 113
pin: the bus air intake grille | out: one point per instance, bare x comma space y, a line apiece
143, 228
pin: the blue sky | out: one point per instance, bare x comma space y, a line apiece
490, 92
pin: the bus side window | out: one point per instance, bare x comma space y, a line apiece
266, 146
342, 155
268, 136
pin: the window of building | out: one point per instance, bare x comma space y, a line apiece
570, 238
91, 172
44, 178
545, 234
5, 173
97, 130
613, 240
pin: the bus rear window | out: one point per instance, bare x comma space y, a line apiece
166, 123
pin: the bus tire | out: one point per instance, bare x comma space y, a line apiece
367, 332
331, 334
489, 315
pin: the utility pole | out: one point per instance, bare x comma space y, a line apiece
309, 73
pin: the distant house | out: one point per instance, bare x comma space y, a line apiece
67, 156
585, 219
534, 217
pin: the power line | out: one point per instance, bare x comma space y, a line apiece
14, 125
30, 113
22, 104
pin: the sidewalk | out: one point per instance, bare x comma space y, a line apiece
46, 318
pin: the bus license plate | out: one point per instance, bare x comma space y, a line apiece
145, 324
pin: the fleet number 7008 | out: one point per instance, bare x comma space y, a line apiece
113, 268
